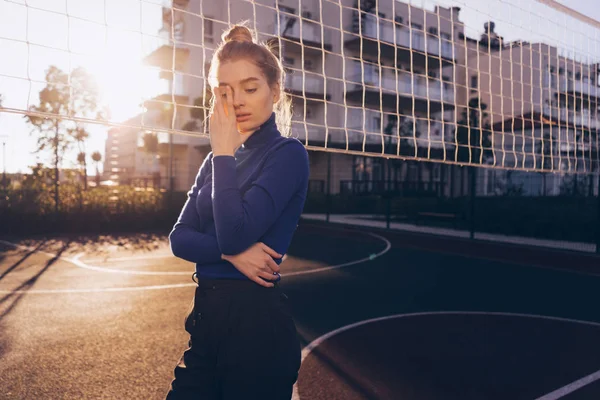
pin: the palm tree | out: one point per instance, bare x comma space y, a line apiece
97, 157
81, 135
81, 161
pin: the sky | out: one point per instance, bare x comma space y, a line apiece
110, 37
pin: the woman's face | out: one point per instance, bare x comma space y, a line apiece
253, 99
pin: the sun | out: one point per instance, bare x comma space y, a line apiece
123, 81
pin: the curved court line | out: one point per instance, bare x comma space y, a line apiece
132, 258
388, 246
76, 262
318, 341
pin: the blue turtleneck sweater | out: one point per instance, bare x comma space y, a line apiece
255, 196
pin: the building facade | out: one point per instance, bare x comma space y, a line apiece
388, 80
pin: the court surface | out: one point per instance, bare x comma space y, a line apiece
381, 315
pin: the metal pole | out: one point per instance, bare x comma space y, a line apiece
598, 218
388, 211
328, 204
4, 164
170, 162
472, 208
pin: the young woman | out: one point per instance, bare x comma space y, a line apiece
237, 223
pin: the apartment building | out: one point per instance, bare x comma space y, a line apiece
541, 107
392, 79
351, 74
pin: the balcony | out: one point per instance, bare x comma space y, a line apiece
577, 91
565, 117
309, 34
168, 94
585, 88
163, 49
425, 133
310, 85
437, 52
407, 88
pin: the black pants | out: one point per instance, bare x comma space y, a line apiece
243, 344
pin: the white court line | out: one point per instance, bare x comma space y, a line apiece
388, 246
131, 258
318, 341
571, 387
75, 261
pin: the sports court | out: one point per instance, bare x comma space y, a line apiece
455, 144
381, 316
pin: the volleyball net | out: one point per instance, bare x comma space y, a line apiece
502, 84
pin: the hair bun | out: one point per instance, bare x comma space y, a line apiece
238, 33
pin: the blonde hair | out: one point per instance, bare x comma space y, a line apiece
238, 43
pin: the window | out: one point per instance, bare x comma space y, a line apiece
309, 113
208, 30
308, 65
433, 31
446, 36
578, 76
307, 15
398, 19
288, 61
474, 83
287, 9
416, 26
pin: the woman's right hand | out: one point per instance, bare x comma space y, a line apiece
256, 262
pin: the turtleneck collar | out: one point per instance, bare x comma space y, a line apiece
262, 135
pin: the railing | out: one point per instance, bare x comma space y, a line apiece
316, 186
406, 84
581, 87
311, 31
310, 82
378, 187
572, 118
405, 37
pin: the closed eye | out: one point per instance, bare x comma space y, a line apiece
250, 90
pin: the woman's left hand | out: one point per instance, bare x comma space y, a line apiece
224, 135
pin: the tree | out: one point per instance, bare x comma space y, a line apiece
150, 140
66, 96
80, 135
197, 114
81, 156
97, 158
473, 134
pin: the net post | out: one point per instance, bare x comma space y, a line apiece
328, 202
472, 175
598, 217
388, 207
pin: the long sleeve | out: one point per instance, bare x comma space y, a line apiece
186, 240
241, 221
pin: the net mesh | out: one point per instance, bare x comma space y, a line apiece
506, 84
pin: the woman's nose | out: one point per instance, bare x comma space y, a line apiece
238, 98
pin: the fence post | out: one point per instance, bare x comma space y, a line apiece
598, 218
328, 202
472, 202
387, 197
